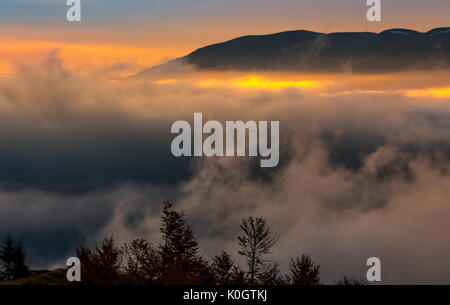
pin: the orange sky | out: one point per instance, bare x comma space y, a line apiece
81, 57
141, 33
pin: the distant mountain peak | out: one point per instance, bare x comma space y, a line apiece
390, 50
307, 51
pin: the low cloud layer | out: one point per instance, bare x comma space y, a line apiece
364, 167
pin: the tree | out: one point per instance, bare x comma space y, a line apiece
178, 241
304, 271
180, 261
12, 257
271, 275
101, 266
140, 261
223, 268
255, 242
226, 272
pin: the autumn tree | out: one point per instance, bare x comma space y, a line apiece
177, 262
255, 242
101, 265
304, 272
140, 261
12, 260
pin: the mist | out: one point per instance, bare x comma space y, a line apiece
364, 165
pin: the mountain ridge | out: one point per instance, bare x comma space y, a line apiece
394, 49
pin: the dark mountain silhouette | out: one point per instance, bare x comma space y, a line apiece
391, 50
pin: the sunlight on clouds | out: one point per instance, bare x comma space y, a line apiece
412, 84
261, 83
166, 81
439, 93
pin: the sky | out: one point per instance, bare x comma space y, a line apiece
143, 33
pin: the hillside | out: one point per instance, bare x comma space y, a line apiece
46, 277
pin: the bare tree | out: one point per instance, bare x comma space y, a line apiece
255, 242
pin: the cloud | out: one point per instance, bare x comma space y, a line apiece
362, 173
